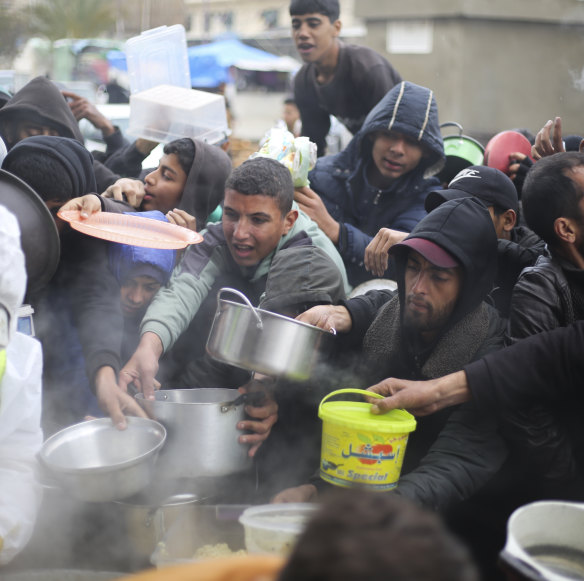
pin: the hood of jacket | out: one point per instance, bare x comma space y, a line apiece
463, 228
409, 109
76, 160
126, 261
41, 101
205, 186
302, 275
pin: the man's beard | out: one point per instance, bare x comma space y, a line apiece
431, 320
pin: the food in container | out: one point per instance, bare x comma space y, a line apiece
274, 528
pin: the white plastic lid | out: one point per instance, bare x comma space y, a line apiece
158, 57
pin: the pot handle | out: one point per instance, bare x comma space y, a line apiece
452, 124
517, 565
349, 390
245, 300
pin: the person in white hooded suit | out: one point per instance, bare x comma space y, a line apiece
20, 401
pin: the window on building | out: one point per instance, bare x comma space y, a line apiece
227, 18
409, 37
270, 18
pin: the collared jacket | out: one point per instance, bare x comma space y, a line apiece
361, 209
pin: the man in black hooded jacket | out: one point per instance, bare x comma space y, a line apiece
78, 299
39, 108
437, 320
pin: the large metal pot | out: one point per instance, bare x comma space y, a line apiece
149, 514
266, 342
202, 433
96, 462
544, 542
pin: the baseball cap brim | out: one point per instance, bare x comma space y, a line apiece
430, 251
438, 197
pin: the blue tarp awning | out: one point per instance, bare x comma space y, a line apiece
209, 63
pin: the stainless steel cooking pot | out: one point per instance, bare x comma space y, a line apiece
148, 515
544, 542
266, 342
201, 432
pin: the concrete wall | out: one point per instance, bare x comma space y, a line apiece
491, 72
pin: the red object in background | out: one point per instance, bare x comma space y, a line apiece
501, 145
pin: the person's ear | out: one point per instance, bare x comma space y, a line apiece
564, 230
337, 27
509, 220
289, 220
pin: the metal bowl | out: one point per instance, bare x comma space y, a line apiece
96, 462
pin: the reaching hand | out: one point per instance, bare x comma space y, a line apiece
182, 218
546, 143
264, 415
86, 205
421, 398
376, 253
335, 319
126, 190
113, 400
142, 367
302, 493
310, 203
84, 109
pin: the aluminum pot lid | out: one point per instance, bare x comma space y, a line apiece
39, 235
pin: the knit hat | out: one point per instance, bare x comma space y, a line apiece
130, 261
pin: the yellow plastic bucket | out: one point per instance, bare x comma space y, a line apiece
359, 448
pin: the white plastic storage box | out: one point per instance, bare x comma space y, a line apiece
165, 113
158, 57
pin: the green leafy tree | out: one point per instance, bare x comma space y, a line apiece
56, 19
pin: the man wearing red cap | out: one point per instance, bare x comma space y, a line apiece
436, 320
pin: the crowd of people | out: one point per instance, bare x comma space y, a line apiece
484, 267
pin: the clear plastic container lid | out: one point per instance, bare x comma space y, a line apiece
158, 57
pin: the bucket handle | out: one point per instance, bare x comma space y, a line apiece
452, 124
226, 289
349, 390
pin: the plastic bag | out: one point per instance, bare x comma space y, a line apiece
297, 154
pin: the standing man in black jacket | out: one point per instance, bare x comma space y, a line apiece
338, 79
